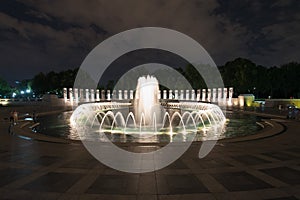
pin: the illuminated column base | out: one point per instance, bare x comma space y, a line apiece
97, 95
187, 95
92, 95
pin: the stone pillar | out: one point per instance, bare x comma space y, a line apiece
224, 96
71, 95
165, 94
187, 95
114, 95
120, 95
176, 94
97, 95
92, 95
214, 95
125, 94
65, 94
108, 95
181, 94
131, 94
241, 101
230, 96
170, 94
209, 95
219, 95
102, 95
203, 94
159, 94
87, 95
198, 95
76, 95
193, 95
81, 96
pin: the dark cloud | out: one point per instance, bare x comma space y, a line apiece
273, 28
55, 35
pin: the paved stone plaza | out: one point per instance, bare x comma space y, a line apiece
266, 168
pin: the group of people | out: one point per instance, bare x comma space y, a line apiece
14, 119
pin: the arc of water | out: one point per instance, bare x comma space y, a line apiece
133, 119
154, 122
141, 121
189, 117
97, 114
166, 115
118, 114
178, 114
198, 114
211, 115
109, 113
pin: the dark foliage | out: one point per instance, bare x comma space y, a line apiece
242, 74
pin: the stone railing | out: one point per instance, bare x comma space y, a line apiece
221, 96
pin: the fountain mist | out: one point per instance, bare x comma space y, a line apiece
146, 103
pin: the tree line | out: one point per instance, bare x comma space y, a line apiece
242, 74
248, 78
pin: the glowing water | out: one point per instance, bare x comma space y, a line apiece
150, 117
146, 103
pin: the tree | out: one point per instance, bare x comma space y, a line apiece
5, 89
39, 83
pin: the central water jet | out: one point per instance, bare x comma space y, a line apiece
146, 102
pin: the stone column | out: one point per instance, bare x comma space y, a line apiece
193, 95
125, 94
159, 94
108, 95
187, 95
198, 95
203, 94
65, 94
120, 95
241, 101
224, 96
103, 95
81, 96
87, 95
131, 94
114, 95
181, 94
71, 95
97, 95
209, 95
176, 94
170, 94
219, 95
92, 95
76, 95
230, 96
165, 94
214, 95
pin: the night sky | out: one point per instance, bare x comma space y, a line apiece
40, 36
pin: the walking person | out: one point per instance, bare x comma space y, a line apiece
15, 116
34, 117
11, 117
11, 124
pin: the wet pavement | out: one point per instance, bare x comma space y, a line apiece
267, 168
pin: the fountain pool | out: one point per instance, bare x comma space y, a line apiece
58, 125
145, 119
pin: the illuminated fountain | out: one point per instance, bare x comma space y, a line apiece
146, 102
148, 117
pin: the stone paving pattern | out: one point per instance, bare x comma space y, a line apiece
260, 169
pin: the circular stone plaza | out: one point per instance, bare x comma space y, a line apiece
43, 158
